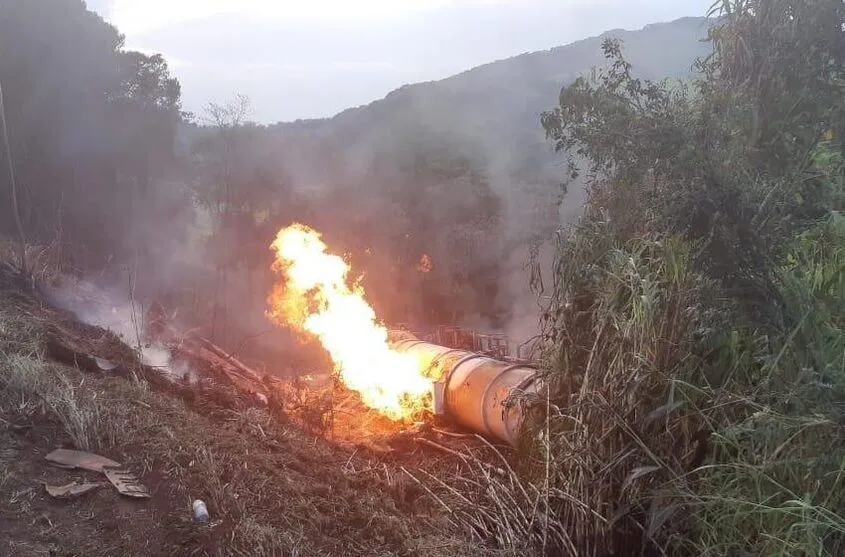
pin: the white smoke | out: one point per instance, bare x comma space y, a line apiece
123, 316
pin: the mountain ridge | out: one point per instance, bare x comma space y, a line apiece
475, 71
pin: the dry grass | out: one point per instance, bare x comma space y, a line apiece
19, 335
267, 541
274, 491
271, 489
46, 262
39, 386
496, 505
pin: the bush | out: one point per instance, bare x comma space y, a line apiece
695, 331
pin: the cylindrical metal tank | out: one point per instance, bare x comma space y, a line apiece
476, 389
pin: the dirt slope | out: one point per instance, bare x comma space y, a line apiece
271, 488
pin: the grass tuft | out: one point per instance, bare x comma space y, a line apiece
39, 386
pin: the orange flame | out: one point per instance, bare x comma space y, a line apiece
314, 297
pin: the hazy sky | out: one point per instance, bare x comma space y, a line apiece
311, 58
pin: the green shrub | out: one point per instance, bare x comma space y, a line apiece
694, 335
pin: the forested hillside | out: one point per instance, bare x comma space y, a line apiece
90, 128
111, 174
486, 119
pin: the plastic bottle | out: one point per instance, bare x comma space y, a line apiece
200, 511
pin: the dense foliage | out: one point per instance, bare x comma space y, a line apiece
695, 331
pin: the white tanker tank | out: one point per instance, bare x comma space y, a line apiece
476, 391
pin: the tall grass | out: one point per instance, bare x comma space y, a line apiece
696, 328
682, 425
776, 484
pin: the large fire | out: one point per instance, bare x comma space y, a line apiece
315, 296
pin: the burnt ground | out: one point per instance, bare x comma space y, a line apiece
272, 486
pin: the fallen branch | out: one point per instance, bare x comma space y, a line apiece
453, 434
229, 358
427, 490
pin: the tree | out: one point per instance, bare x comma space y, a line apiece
147, 107
240, 182
779, 62
88, 123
